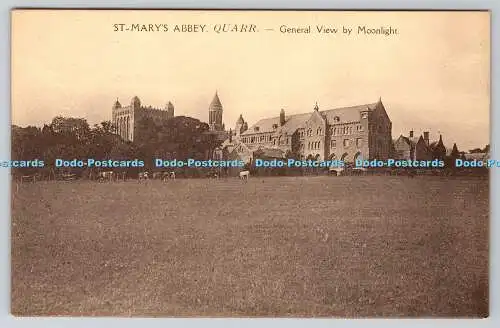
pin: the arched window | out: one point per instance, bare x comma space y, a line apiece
357, 156
128, 127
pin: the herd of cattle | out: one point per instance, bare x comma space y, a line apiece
107, 176
112, 176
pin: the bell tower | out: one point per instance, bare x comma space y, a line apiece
215, 114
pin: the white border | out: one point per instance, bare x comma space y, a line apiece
6, 320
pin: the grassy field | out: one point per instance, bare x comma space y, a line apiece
320, 246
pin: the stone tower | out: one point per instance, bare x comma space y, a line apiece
215, 114
170, 110
123, 118
135, 103
241, 126
282, 117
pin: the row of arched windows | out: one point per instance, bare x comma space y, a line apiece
314, 145
123, 127
344, 130
336, 131
345, 157
255, 139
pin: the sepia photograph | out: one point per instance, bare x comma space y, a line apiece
250, 163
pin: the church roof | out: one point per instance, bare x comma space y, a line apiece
240, 120
477, 156
270, 152
136, 101
437, 144
293, 122
404, 139
215, 104
117, 104
414, 140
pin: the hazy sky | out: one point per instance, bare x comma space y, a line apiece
433, 75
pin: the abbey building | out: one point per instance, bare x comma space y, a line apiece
126, 118
348, 133
216, 127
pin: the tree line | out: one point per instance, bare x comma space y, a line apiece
71, 138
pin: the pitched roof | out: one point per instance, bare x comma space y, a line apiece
240, 120
216, 104
405, 139
437, 144
293, 122
478, 156
414, 140
270, 152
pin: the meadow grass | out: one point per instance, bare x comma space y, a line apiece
288, 246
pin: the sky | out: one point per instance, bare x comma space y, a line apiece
433, 75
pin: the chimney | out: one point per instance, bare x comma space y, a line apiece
426, 137
282, 117
411, 133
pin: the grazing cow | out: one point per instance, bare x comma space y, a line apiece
122, 177
244, 175
143, 176
68, 176
168, 175
337, 171
105, 176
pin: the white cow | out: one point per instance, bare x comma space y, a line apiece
143, 176
244, 175
168, 175
105, 176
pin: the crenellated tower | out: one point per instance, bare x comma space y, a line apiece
126, 118
170, 109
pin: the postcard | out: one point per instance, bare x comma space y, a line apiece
250, 163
